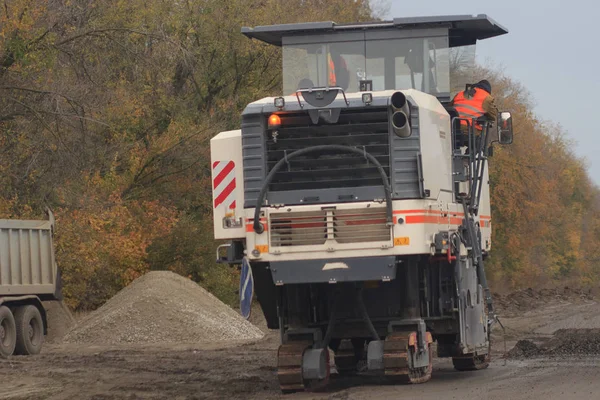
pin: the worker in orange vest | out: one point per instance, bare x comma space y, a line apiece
332, 80
338, 71
474, 102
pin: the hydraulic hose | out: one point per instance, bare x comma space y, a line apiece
331, 324
259, 228
365, 314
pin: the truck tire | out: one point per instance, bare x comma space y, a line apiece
30, 330
8, 332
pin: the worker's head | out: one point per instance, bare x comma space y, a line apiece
485, 85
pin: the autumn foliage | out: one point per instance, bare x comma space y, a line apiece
546, 210
107, 109
106, 112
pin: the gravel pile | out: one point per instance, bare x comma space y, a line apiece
60, 321
257, 318
524, 349
162, 307
574, 342
564, 342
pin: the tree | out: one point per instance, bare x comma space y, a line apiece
107, 109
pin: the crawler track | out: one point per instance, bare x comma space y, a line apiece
471, 362
395, 359
289, 368
345, 358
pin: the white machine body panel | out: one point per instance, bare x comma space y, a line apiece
227, 185
436, 146
485, 212
318, 231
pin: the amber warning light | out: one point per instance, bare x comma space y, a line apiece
274, 121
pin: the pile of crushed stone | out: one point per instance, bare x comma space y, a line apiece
60, 320
564, 342
574, 342
162, 307
257, 318
524, 349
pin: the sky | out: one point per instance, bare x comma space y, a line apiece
551, 48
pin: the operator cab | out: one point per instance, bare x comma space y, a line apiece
394, 63
429, 54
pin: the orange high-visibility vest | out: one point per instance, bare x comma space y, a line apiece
470, 108
332, 79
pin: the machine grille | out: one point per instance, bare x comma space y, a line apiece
316, 227
360, 128
298, 228
357, 226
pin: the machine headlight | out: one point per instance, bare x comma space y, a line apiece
279, 102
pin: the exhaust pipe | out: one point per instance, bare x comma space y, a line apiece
400, 124
401, 113
399, 103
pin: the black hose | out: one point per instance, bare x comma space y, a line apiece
259, 228
331, 323
365, 314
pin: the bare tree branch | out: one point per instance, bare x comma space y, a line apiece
106, 30
44, 123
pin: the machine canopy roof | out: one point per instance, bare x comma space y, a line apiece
464, 30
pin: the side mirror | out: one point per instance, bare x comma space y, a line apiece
505, 128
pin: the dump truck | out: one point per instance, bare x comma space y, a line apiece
359, 201
28, 276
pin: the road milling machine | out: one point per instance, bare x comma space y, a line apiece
359, 201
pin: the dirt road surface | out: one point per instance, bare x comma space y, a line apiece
247, 370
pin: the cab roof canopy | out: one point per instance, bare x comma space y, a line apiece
464, 30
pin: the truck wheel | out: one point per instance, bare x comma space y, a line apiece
30, 330
8, 332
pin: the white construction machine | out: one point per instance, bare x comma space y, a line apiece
359, 202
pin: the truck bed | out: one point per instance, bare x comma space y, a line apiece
27, 265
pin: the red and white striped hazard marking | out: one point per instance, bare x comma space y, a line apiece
224, 183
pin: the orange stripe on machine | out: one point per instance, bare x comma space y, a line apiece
485, 221
435, 212
426, 217
432, 217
